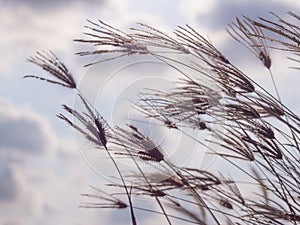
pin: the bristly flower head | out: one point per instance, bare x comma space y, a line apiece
138, 145
245, 121
49, 62
94, 127
108, 201
107, 39
252, 37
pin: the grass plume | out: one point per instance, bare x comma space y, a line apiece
257, 133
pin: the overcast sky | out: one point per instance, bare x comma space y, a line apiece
42, 172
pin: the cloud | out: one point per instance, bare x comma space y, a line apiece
23, 130
50, 186
34, 25
12, 188
22, 134
223, 12
35, 188
211, 19
19, 199
47, 5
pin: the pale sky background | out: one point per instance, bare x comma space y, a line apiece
42, 172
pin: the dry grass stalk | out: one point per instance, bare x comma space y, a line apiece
251, 37
256, 127
49, 62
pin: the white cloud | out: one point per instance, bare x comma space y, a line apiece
23, 130
190, 9
26, 31
216, 14
48, 5
39, 188
24, 134
211, 18
12, 188
17, 198
47, 186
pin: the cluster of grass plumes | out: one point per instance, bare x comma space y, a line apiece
251, 126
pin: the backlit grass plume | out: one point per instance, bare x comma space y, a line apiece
256, 133
49, 62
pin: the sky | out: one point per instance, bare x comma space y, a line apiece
44, 166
